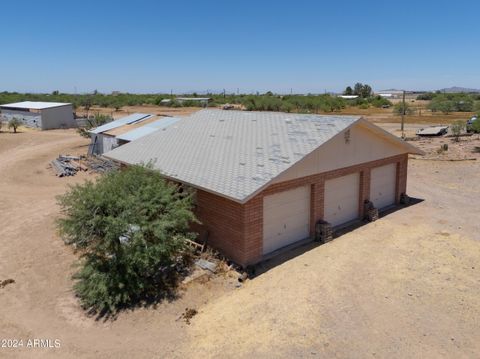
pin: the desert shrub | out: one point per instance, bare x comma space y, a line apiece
14, 124
475, 126
447, 103
457, 128
379, 101
426, 96
131, 228
399, 107
287, 107
94, 122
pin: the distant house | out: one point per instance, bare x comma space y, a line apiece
126, 129
390, 93
42, 115
264, 180
349, 97
202, 100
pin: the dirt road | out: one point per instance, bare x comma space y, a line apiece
405, 286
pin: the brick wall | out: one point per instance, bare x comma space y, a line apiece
237, 230
224, 221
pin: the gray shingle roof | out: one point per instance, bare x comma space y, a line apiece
232, 153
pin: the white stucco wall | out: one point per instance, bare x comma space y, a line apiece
58, 117
363, 146
29, 119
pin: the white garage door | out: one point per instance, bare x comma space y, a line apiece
341, 199
382, 185
286, 218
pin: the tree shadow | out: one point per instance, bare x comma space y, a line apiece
166, 290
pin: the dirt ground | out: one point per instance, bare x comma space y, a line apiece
384, 115
128, 110
405, 286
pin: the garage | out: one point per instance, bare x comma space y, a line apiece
342, 199
382, 185
286, 218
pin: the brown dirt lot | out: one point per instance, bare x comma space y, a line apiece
405, 286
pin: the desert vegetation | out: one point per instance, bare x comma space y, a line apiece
451, 102
92, 122
130, 228
268, 101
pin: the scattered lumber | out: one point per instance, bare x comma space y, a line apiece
195, 245
66, 165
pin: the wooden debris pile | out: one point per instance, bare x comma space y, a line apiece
66, 165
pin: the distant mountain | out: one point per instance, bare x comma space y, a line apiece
456, 89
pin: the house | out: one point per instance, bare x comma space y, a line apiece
126, 129
264, 179
349, 97
42, 115
201, 100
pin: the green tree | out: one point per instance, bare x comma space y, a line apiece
357, 89
475, 126
400, 107
379, 101
117, 105
14, 123
131, 228
457, 128
348, 91
97, 120
366, 91
362, 90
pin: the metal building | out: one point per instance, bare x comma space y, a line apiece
42, 115
126, 129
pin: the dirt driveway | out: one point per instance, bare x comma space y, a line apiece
407, 285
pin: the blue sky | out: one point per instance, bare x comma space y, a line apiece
306, 46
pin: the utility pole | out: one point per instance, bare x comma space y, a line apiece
403, 114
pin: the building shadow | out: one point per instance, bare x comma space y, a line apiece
285, 254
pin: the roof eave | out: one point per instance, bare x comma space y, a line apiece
409, 148
237, 200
